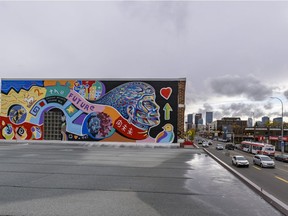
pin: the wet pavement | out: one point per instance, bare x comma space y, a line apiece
75, 180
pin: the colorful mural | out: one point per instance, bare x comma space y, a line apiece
90, 110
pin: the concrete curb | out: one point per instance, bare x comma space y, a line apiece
93, 144
276, 203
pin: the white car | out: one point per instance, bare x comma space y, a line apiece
205, 144
263, 161
239, 160
219, 147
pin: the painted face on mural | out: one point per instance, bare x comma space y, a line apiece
145, 113
94, 125
135, 101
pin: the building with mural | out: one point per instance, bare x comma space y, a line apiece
93, 110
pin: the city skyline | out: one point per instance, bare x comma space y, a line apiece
203, 116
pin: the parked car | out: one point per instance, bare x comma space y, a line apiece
282, 157
210, 142
263, 161
222, 140
229, 146
200, 141
239, 160
219, 147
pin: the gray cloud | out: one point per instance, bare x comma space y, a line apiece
247, 86
235, 110
200, 40
206, 108
172, 16
286, 94
242, 110
268, 106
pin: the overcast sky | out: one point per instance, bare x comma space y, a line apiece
234, 55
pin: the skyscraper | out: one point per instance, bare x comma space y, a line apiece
198, 116
265, 120
250, 122
189, 121
209, 117
277, 120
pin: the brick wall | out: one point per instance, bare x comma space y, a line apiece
181, 108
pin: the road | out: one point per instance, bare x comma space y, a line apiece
40, 179
274, 181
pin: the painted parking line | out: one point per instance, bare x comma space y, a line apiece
284, 170
257, 168
282, 179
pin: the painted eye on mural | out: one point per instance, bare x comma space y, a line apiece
148, 105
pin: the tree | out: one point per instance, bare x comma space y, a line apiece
191, 134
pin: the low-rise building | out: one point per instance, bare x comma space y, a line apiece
267, 135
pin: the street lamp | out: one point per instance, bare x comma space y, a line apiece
282, 125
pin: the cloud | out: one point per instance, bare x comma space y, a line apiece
268, 106
206, 108
286, 94
242, 110
240, 86
171, 16
154, 39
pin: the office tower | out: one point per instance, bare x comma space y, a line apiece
250, 122
189, 121
265, 120
198, 116
209, 117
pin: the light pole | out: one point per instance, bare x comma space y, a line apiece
282, 126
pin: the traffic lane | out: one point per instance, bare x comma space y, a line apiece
101, 181
274, 181
280, 169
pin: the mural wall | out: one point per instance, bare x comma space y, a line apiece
89, 110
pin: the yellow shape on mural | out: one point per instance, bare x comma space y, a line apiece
70, 109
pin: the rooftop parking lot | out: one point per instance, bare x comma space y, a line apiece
41, 179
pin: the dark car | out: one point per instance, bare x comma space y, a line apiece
282, 157
229, 146
210, 142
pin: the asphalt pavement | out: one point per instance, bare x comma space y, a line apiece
62, 179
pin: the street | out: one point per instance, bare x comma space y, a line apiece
274, 181
41, 179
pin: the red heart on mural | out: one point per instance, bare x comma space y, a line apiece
166, 92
